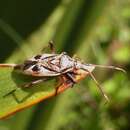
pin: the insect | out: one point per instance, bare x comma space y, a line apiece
57, 65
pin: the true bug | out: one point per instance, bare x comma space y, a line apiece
61, 65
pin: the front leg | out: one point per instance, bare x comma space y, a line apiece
60, 82
63, 79
71, 77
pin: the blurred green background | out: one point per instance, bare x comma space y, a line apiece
97, 32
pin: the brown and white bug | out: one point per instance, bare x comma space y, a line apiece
53, 65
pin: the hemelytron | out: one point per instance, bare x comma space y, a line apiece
50, 65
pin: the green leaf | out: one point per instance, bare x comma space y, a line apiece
14, 97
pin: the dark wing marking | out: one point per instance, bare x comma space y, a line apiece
49, 57
37, 57
28, 64
50, 69
35, 68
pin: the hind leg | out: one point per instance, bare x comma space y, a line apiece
27, 85
50, 46
30, 84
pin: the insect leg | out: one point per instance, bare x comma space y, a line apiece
63, 80
98, 85
8, 65
30, 84
71, 77
15, 66
11, 92
51, 45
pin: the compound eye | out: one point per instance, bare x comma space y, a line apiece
35, 68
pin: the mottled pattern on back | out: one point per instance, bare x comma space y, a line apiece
48, 65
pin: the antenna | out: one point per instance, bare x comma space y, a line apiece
110, 67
